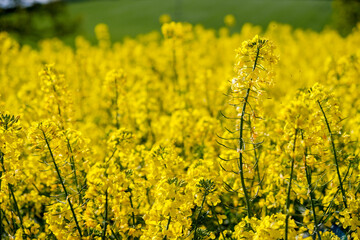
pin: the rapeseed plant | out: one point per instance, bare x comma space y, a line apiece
121, 140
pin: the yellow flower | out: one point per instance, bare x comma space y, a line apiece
164, 18
229, 20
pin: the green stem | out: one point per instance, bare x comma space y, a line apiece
312, 196
241, 143
16, 207
327, 211
73, 168
106, 197
114, 234
10, 186
13, 221
217, 220
289, 188
167, 226
357, 189
106, 215
5, 218
241, 147
335, 156
117, 105
62, 183
197, 219
132, 206
1, 225
176, 76
56, 93
257, 170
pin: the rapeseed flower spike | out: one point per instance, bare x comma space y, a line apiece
253, 68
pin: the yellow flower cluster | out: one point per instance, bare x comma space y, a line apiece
176, 136
254, 63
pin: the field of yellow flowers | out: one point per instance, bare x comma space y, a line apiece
189, 134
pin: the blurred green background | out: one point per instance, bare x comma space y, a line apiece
66, 19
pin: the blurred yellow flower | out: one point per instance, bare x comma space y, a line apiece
229, 20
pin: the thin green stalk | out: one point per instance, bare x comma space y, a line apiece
116, 105
1, 226
132, 206
335, 156
241, 143
167, 227
16, 206
326, 212
257, 170
289, 187
5, 218
217, 220
62, 183
176, 76
58, 105
312, 196
107, 198
55, 91
240, 163
357, 189
73, 168
106, 215
197, 219
10, 186
13, 220
114, 234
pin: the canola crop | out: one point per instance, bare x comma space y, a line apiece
191, 133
